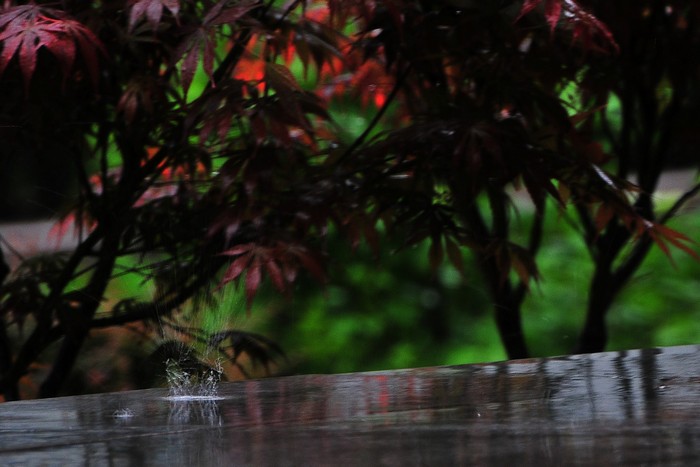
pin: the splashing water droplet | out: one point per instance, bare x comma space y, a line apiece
193, 386
123, 414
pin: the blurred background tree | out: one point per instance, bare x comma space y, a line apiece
462, 149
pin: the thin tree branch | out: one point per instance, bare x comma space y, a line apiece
378, 116
12, 249
152, 310
610, 135
625, 271
680, 202
79, 319
497, 200
534, 244
8, 388
589, 230
40, 336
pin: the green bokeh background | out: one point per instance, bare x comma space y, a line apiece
392, 312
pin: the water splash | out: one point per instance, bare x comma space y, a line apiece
123, 414
193, 385
196, 411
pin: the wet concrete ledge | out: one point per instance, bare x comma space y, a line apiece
638, 407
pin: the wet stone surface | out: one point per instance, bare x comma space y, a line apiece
615, 408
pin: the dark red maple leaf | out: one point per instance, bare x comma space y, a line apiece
280, 261
26, 29
552, 10
202, 41
152, 10
585, 27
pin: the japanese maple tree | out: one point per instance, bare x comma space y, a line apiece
483, 86
188, 184
240, 179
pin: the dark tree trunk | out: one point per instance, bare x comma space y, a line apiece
64, 362
607, 282
594, 336
506, 303
79, 320
510, 328
8, 387
604, 287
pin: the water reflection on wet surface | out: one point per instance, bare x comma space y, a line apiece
617, 408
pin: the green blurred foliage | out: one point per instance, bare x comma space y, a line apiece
392, 312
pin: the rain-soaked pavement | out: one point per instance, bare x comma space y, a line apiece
615, 408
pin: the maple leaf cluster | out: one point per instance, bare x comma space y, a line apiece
583, 26
480, 123
27, 29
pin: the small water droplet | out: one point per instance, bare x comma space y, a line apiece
123, 413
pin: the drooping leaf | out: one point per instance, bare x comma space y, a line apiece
454, 254
660, 233
219, 15
552, 12
236, 268
523, 263
280, 78
312, 264
585, 27
260, 349
603, 216
276, 276
528, 6
435, 254
252, 281
189, 53
201, 43
26, 29
152, 10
